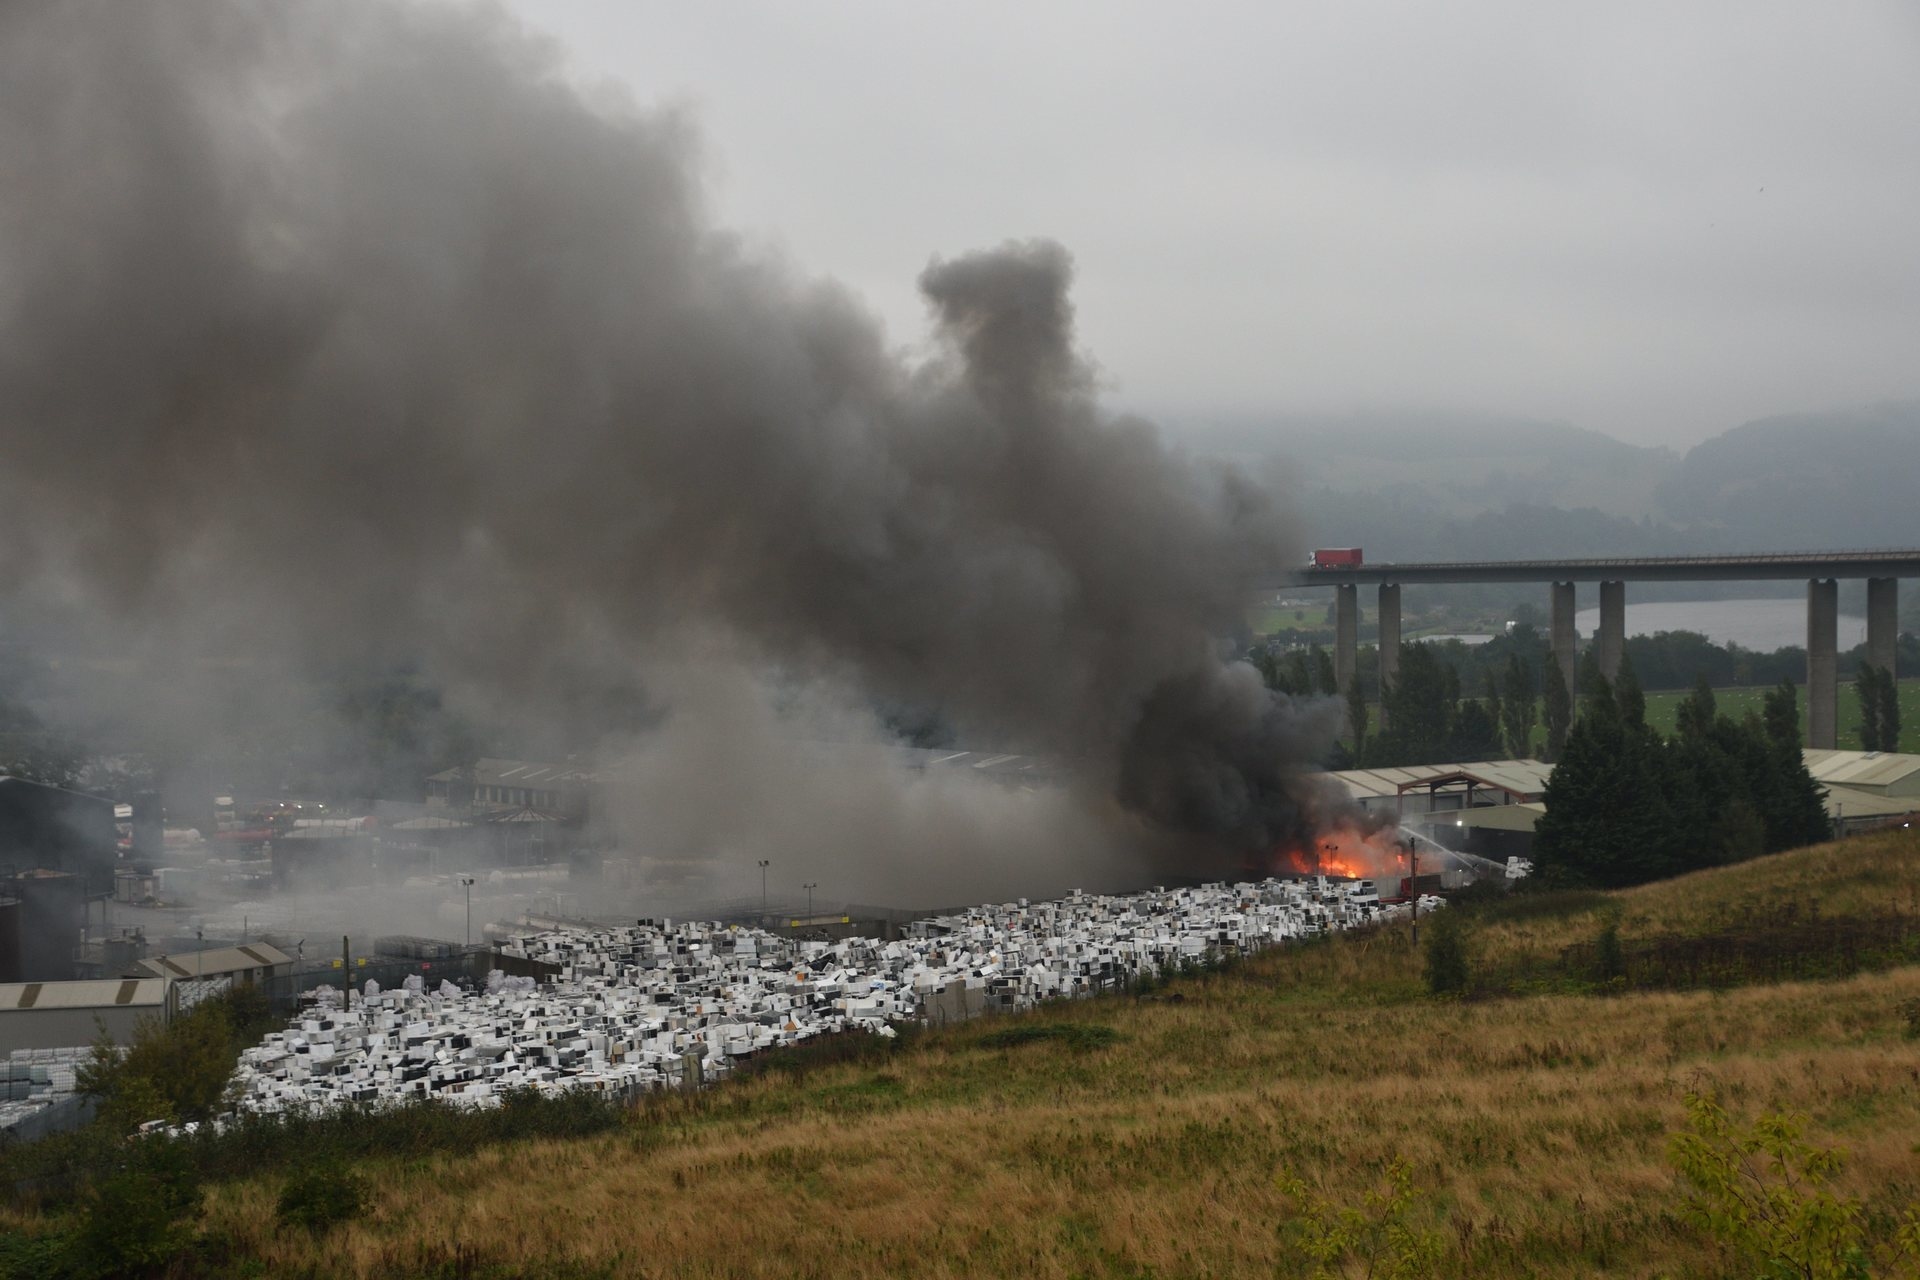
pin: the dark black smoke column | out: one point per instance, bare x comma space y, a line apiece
351, 327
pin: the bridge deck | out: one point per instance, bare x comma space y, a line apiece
1720, 568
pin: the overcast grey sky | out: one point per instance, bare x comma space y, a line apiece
1654, 220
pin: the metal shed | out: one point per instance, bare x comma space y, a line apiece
253, 962
1884, 773
61, 1015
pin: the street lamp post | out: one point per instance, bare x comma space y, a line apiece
1413, 886
466, 882
811, 885
763, 887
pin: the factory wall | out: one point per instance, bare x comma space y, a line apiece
49, 827
51, 914
9, 939
63, 1028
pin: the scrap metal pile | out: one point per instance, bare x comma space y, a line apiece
659, 1004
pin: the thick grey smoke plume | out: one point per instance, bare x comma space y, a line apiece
363, 316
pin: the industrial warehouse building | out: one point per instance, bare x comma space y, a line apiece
1867, 789
60, 1015
41, 918
58, 848
54, 829
1491, 807
561, 789
254, 962
1486, 807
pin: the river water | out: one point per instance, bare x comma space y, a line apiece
1764, 625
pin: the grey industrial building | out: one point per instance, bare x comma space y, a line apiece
560, 789
251, 962
60, 1015
1491, 807
51, 828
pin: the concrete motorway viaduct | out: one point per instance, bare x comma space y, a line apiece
1821, 569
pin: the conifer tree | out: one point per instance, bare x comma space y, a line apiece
1608, 821
1557, 709
1866, 687
1696, 716
1516, 707
1325, 682
1889, 711
1628, 696
1791, 803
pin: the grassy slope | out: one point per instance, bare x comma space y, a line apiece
1535, 1127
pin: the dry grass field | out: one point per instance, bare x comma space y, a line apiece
1534, 1127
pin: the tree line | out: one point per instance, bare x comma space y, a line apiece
1428, 717
1517, 687
1626, 805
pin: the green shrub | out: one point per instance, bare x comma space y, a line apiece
1377, 1237
1910, 1010
60, 1170
1609, 961
140, 1217
320, 1196
34, 1257
1446, 954
177, 1070
1763, 1193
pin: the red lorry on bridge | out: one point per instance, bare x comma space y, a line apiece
1335, 558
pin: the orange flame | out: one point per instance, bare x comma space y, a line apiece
1348, 852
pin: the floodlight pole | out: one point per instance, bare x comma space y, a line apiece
811, 885
763, 887
466, 883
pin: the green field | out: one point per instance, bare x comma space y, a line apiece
1662, 707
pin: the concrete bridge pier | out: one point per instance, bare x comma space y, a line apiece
1389, 641
1612, 641
1346, 635
1823, 652
1883, 621
1563, 635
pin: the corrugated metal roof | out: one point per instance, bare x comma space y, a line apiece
521, 773
99, 993
1522, 777
1845, 802
1000, 765
1866, 770
214, 961
429, 822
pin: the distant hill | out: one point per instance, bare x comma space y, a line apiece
1452, 465
1844, 479
1425, 486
